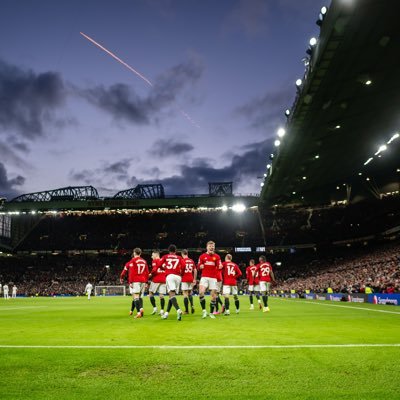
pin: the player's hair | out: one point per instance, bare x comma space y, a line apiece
252, 261
156, 252
263, 259
184, 252
210, 242
137, 251
172, 248
229, 256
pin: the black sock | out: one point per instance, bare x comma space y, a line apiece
175, 303
141, 302
226, 303
219, 300
137, 304
265, 300
202, 302
212, 306
258, 296
186, 303
237, 304
133, 305
169, 306
191, 300
251, 299
152, 301
162, 303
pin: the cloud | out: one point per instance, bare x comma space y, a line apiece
121, 101
169, 148
28, 100
267, 112
194, 178
7, 186
248, 16
9, 156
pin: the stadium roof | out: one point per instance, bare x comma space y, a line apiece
347, 106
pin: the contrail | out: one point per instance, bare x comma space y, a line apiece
117, 58
134, 71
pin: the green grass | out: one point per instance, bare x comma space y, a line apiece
196, 373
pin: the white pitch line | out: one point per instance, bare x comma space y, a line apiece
166, 347
339, 305
20, 308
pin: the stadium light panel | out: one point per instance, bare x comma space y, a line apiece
338, 126
324, 10
287, 112
268, 166
224, 208
239, 207
368, 161
304, 178
293, 192
262, 184
281, 132
299, 82
313, 41
368, 82
316, 156
265, 175
394, 137
277, 143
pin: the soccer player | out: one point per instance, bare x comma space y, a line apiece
264, 271
88, 290
209, 263
231, 272
188, 281
173, 266
157, 285
137, 277
5, 291
254, 283
219, 291
14, 292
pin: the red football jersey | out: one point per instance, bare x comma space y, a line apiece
157, 272
138, 270
231, 273
251, 275
211, 264
264, 271
188, 272
172, 264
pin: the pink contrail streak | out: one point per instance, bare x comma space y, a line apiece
134, 71
117, 58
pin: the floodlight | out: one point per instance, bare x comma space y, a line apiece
277, 143
394, 137
287, 112
324, 10
313, 41
281, 132
268, 166
368, 161
299, 82
224, 207
382, 147
239, 207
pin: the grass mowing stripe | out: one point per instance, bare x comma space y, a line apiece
20, 308
221, 347
341, 306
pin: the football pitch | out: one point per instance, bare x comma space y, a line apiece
72, 348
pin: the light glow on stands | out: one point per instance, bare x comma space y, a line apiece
368, 82
368, 161
239, 207
224, 207
260, 249
338, 126
394, 137
317, 156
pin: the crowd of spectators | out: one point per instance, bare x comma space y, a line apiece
345, 270
352, 273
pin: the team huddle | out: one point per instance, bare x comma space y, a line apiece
173, 272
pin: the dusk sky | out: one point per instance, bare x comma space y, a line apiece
70, 115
